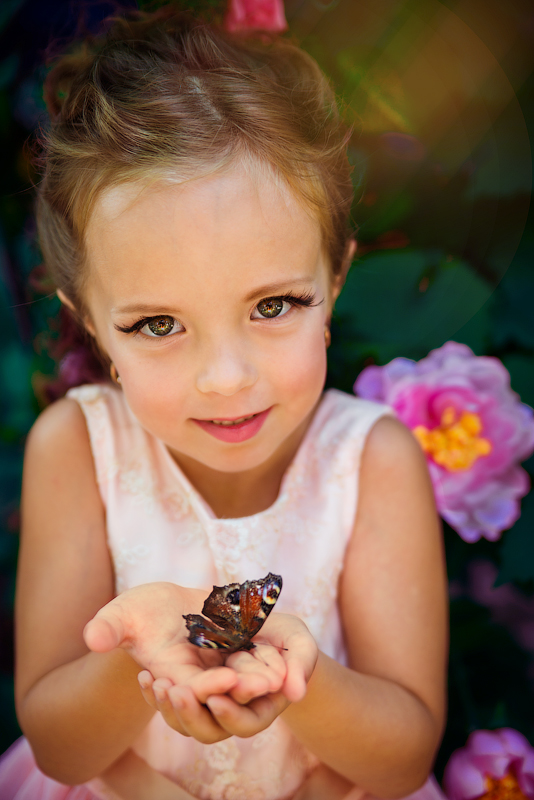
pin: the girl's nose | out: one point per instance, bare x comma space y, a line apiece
225, 370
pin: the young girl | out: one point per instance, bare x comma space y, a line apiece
194, 216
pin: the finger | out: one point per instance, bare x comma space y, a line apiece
261, 671
218, 680
300, 662
195, 718
160, 686
248, 688
146, 682
263, 660
295, 684
160, 691
245, 721
104, 632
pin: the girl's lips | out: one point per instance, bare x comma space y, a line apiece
238, 432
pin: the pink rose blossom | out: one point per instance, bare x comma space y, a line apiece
473, 428
494, 765
265, 15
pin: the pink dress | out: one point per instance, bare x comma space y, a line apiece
161, 529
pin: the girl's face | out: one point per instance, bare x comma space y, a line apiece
211, 299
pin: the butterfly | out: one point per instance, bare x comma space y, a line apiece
235, 613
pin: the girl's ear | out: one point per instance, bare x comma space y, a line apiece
70, 305
339, 280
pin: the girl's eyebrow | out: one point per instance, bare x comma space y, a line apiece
272, 289
139, 308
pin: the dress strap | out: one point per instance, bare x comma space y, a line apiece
111, 428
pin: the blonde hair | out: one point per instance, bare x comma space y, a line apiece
162, 94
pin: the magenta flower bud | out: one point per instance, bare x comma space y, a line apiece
473, 428
264, 15
494, 765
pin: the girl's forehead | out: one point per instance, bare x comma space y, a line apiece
256, 194
229, 224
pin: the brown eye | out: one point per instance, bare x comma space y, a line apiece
159, 326
271, 307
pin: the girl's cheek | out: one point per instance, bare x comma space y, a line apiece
304, 366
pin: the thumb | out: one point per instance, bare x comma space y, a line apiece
105, 631
295, 685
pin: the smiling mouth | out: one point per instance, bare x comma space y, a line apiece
234, 430
228, 423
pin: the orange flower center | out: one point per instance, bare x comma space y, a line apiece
506, 788
455, 443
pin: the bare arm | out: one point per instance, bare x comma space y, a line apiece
80, 710
380, 722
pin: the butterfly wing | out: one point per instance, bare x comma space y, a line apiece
204, 633
222, 605
257, 600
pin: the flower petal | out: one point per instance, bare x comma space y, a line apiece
266, 15
461, 779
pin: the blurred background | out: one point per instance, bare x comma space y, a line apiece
440, 95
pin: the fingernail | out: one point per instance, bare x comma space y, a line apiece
159, 694
143, 684
211, 707
178, 703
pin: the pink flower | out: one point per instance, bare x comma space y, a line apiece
494, 765
472, 427
265, 15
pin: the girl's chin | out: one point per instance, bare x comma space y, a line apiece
223, 457
227, 463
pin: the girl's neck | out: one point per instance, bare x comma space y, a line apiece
232, 495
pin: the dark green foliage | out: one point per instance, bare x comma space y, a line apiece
517, 549
483, 659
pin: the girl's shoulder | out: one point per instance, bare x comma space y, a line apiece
382, 438
61, 423
61, 437
58, 448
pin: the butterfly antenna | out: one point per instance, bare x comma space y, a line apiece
274, 645
263, 661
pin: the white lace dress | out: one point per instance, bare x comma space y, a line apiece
161, 529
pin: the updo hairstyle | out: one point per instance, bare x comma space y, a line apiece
164, 96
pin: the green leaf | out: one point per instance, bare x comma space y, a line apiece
409, 300
514, 320
521, 369
517, 548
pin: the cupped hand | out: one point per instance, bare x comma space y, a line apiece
285, 661
147, 622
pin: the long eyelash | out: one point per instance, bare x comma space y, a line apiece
306, 300
135, 327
